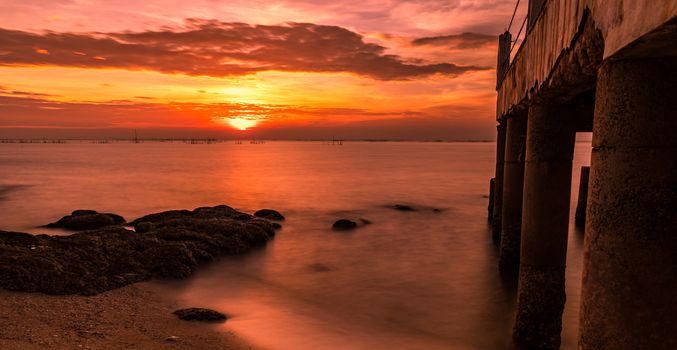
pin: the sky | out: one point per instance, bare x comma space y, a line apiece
288, 69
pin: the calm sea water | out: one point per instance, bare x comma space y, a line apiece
410, 280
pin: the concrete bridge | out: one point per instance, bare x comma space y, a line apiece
610, 67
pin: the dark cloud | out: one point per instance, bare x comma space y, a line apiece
461, 41
6, 91
214, 48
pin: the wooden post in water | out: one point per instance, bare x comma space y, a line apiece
490, 207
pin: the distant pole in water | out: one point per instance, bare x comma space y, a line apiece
335, 141
492, 188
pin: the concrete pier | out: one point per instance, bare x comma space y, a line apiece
545, 222
582, 202
496, 221
615, 62
513, 181
629, 297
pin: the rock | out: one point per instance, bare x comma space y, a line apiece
163, 216
116, 218
173, 260
269, 214
402, 207
200, 314
87, 220
143, 227
172, 338
164, 245
344, 224
318, 267
243, 217
83, 212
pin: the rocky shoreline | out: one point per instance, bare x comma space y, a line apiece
111, 253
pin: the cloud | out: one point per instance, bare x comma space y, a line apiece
219, 49
460, 41
6, 91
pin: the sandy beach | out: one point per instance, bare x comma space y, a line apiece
132, 317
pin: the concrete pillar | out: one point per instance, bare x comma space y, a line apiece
629, 297
545, 224
498, 182
513, 180
582, 197
504, 44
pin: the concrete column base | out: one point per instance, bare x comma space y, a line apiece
541, 301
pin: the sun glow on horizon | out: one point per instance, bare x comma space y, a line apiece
241, 123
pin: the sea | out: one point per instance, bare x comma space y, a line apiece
424, 279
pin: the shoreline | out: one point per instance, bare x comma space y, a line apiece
134, 316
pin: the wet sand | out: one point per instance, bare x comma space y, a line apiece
132, 317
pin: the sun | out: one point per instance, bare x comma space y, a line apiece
241, 123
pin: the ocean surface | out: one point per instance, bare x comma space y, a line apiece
410, 280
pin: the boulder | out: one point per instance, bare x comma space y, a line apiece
344, 224
269, 214
402, 207
173, 260
319, 267
87, 220
200, 314
164, 245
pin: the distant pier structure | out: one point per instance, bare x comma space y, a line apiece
610, 67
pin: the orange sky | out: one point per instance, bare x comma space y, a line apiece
398, 69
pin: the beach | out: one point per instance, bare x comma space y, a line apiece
133, 317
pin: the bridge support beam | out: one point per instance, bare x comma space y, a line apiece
545, 222
498, 182
513, 181
630, 267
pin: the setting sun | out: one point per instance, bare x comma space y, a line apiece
241, 123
